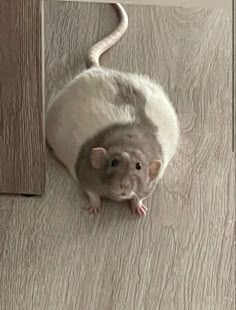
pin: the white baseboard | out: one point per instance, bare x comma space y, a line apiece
227, 4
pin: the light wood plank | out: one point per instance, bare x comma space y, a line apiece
55, 256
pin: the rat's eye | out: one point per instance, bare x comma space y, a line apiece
115, 162
138, 166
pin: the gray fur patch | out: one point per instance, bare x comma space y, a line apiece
140, 136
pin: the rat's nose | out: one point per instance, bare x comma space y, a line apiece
124, 185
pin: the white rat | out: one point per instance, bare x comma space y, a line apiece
115, 132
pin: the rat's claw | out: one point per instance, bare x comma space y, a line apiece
141, 210
144, 208
94, 210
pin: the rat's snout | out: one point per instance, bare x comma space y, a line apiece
125, 185
123, 189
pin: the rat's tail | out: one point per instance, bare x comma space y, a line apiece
100, 47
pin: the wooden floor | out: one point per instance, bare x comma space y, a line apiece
55, 256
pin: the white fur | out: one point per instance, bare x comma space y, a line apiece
160, 110
85, 107
81, 110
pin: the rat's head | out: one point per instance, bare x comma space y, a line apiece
124, 172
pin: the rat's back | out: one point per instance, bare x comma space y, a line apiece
82, 109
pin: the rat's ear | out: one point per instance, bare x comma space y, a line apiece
98, 157
154, 169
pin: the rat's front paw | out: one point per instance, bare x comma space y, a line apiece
138, 207
94, 203
140, 210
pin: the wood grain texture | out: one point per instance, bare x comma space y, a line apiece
55, 256
234, 73
22, 163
